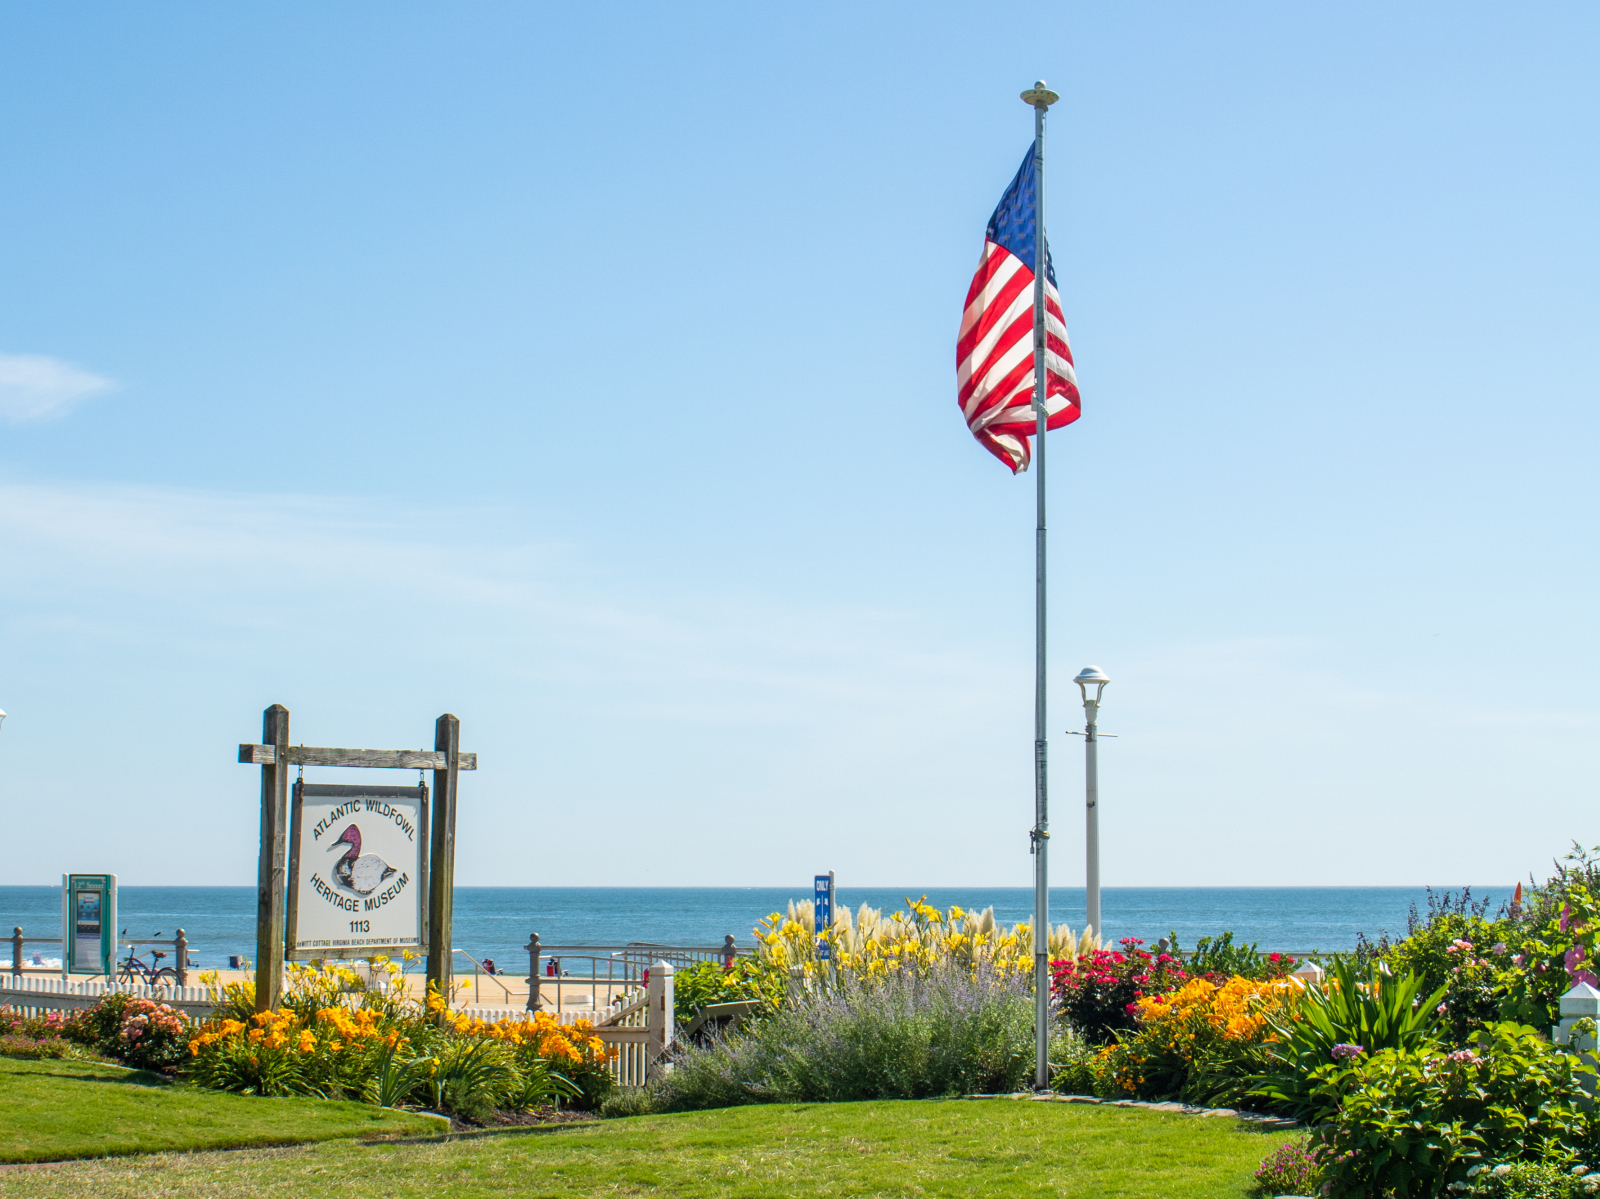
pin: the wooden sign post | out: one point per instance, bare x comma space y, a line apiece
437, 867
442, 853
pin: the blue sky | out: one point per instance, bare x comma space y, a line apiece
589, 373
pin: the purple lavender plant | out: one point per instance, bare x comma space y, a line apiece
1345, 1051
909, 1035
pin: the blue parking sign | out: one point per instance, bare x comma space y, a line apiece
822, 914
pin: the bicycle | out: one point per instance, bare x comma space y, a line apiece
135, 970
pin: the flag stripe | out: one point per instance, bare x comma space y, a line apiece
995, 344
994, 359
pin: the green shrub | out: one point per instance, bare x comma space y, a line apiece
1220, 956
1468, 957
635, 1101
473, 1078
139, 1032
1416, 1121
1077, 1068
38, 1048
44, 1026
98, 1025
1369, 1013
706, 983
1530, 1180
1095, 991
590, 1079
1549, 956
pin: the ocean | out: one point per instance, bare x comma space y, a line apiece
494, 922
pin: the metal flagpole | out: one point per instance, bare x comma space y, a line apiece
1041, 98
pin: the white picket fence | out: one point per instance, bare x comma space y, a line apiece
35, 996
640, 1031
570, 1016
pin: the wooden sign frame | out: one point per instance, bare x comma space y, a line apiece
275, 756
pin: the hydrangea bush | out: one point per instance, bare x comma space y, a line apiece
140, 1032
1415, 1121
1527, 1180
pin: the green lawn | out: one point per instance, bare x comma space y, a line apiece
57, 1109
964, 1150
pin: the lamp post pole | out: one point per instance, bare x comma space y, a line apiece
1091, 789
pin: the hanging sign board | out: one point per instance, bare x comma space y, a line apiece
88, 923
357, 871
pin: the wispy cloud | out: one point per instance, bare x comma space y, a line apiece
33, 387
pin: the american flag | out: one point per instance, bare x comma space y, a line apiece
994, 354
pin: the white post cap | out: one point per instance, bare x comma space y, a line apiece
1310, 972
1582, 1000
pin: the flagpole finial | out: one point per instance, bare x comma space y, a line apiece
1040, 96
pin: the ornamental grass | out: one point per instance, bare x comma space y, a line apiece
921, 938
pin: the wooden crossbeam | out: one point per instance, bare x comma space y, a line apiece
382, 759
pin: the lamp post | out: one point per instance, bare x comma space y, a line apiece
1091, 777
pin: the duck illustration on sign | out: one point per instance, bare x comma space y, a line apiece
358, 872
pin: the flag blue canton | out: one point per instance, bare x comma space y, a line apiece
1012, 226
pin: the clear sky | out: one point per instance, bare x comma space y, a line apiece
588, 371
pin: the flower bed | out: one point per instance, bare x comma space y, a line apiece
375, 1045
1098, 992
138, 1032
1199, 1043
337, 1036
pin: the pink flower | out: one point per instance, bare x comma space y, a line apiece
1566, 917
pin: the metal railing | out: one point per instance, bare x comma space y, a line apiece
477, 972
615, 972
18, 966
179, 943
